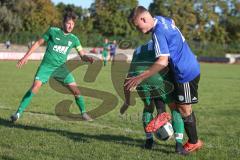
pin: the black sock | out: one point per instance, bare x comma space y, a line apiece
160, 106
190, 128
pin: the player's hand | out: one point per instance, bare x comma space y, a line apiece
124, 108
21, 62
86, 58
133, 82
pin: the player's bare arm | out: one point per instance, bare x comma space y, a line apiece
24, 60
127, 98
159, 65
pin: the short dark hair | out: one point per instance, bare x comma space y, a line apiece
69, 16
136, 12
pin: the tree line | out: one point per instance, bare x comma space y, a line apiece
212, 27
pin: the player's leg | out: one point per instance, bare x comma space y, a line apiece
160, 106
79, 100
104, 55
113, 58
177, 122
26, 100
186, 96
65, 77
178, 127
104, 61
147, 116
42, 75
190, 126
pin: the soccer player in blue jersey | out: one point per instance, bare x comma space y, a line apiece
154, 91
171, 48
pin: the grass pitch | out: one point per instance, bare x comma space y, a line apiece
40, 134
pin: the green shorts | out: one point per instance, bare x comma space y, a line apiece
147, 93
61, 74
157, 86
105, 54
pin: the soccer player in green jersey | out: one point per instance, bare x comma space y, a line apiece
105, 51
60, 41
156, 90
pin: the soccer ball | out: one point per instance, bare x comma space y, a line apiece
165, 132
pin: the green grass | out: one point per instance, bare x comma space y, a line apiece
40, 134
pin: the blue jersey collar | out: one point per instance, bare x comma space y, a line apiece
155, 23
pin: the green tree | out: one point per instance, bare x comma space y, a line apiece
232, 21
38, 15
9, 22
110, 17
182, 12
198, 20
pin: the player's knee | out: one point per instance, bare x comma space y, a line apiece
76, 92
172, 106
35, 89
190, 119
185, 110
74, 89
149, 108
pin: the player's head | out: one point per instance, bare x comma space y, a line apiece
141, 19
105, 40
69, 21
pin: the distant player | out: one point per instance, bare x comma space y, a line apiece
113, 48
156, 90
60, 41
171, 47
105, 51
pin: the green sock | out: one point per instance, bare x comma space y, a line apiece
81, 104
146, 118
105, 62
178, 125
25, 101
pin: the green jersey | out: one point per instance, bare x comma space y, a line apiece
142, 57
106, 48
158, 85
59, 46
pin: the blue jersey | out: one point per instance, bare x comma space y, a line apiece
168, 41
113, 48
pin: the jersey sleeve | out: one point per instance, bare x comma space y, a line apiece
132, 66
47, 34
78, 45
160, 44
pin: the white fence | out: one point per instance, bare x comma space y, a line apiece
73, 56
232, 57
39, 56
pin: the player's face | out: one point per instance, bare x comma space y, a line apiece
106, 40
141, 24
69, 25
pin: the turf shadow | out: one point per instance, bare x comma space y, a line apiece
86, 138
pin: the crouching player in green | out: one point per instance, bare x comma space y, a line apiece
156, 90
59, 44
